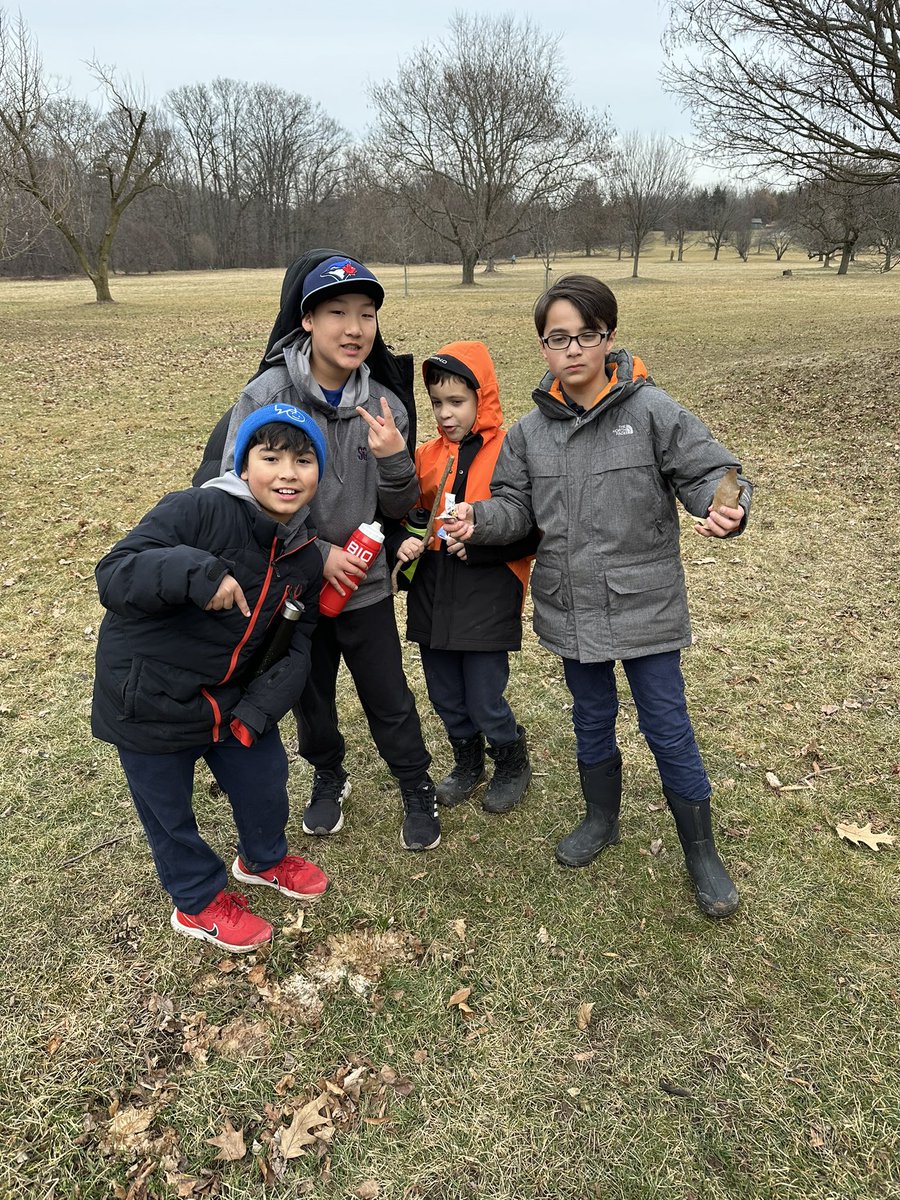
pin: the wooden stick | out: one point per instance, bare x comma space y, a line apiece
429, 528
70, 862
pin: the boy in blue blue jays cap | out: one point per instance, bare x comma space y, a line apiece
193, 595
323, 355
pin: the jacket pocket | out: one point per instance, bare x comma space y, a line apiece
647, 606
157, 692
549, 585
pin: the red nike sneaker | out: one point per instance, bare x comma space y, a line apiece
293, 877
227, 922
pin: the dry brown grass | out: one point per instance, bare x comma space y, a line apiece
780, 1024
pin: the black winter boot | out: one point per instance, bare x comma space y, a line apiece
467, 773
602, 788
511, 777
716, 894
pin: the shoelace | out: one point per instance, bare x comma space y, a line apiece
230, 901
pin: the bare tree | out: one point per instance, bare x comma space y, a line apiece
720, 213
885, 223
810, 87
476, 131
835, 216
83, 167
649, 173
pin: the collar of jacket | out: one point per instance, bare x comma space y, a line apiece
628, 375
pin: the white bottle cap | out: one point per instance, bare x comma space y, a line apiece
373, 531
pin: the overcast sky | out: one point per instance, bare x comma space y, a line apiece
331, 51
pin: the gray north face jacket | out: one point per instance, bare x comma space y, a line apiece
601, 486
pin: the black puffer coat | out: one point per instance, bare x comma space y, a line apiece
171, 675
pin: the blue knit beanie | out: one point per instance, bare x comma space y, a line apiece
275, 414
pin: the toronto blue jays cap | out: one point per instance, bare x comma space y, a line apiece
278, 414
335, 276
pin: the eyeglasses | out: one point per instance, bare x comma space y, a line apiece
587, 340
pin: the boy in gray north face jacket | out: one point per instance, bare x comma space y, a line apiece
597, 465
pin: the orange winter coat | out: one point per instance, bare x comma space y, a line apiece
474, 604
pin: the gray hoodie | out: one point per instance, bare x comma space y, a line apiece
354, 483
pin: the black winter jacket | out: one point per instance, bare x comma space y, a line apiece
471, 605
171, 675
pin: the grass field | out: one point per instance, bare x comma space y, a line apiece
753, 1058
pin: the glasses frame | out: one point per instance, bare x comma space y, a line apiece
576, 337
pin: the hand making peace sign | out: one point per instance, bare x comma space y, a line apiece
384, 436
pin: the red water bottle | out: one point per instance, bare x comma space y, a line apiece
364, 543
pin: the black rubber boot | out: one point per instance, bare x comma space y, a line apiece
467, 772
511, 777
716, 894
602, 788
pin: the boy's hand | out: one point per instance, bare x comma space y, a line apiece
384, 436
342, 570
410, 550
227, 595
720, 522
456, 547
462, 528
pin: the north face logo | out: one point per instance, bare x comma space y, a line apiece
623, 430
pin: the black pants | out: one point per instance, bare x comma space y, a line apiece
367, 639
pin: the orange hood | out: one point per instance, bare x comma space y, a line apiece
476, 358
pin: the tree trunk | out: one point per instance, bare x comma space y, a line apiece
846, 254
716, 255
681, 247
491, 268
469, 259
637, 255
405, 279
101, 287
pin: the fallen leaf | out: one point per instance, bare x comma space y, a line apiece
293, 928
257, 974
656, 847
728, 493
773, 781
863, 836
127, 1123
584, 1056
54, 1044
284, 1084
299, 1133
420, 1056
459, 928
584, 1014
388, 1075
459, 997
230, 1142
226, 966
367, 1190
543, 936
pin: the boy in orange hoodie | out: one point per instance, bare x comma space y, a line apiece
464, 606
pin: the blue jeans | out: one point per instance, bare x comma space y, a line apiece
162, 785
657, 686
466, 688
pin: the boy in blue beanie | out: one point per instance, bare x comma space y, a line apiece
194, 595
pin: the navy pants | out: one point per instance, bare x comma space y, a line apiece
466, 688
367, 640
162, 785
657, 686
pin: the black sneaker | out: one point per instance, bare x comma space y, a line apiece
325, 814
421, 828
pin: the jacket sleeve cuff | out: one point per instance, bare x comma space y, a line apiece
245, 736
